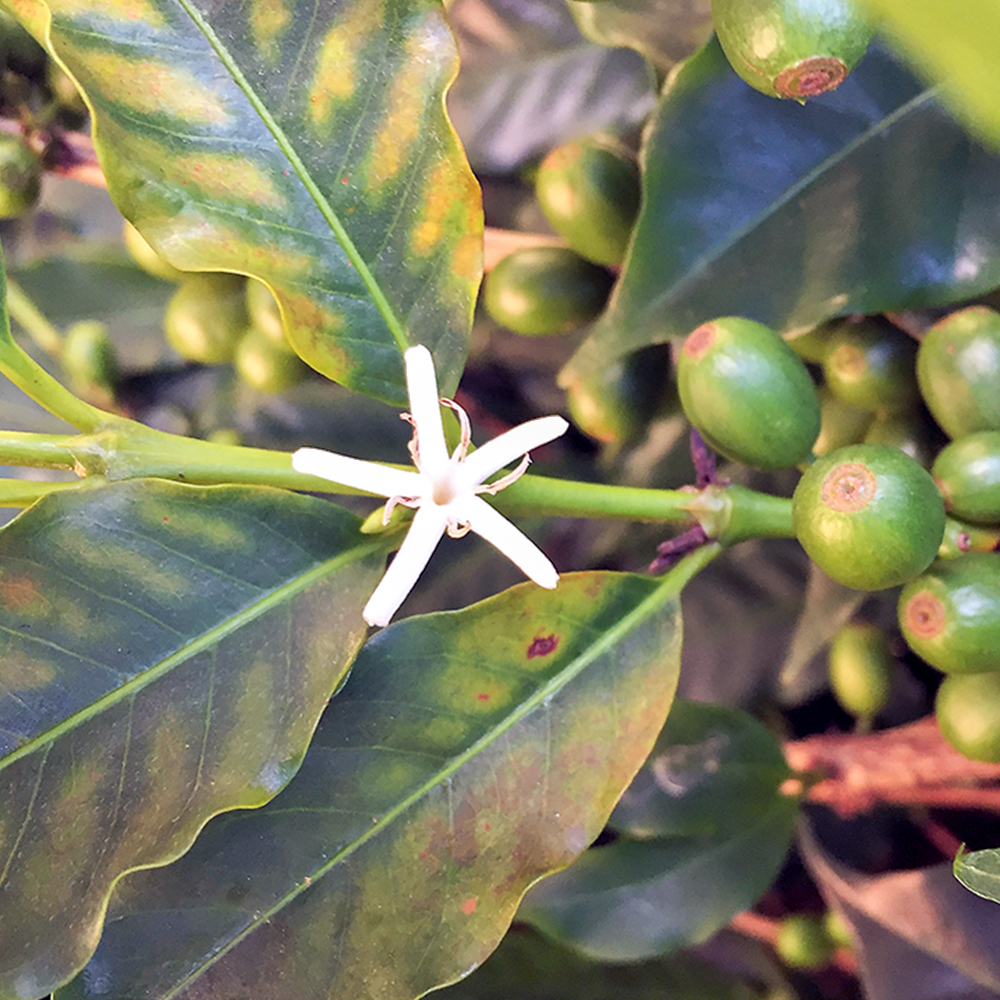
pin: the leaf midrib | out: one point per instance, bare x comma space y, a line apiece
668, 589
192, 648
288, 150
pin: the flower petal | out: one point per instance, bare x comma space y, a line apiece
413, 555
425, 408
368, 476
492, 526
509, 446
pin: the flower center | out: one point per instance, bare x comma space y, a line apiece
444, 488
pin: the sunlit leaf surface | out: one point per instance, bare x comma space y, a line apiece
866, 199
303, 143
469, 753
165, 654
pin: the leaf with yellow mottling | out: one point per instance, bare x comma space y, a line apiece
469, 753
165, 653
304, 144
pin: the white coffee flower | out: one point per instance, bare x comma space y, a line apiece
443, 489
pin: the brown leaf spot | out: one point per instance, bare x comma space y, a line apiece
542, 645
483, 696
469, 906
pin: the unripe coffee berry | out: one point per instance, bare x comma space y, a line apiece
803, 942
968, 475
868, 516
968, 712
860, 664
748, 393
950, 615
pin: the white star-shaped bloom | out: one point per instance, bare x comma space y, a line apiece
443, 489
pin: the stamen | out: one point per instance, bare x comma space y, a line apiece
504, 481
458, 530
393, 502
412, 446
466, 437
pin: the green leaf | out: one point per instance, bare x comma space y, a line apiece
305, 144
867, 199
709, 799
710, 771
957, 43
664, 31
470, 753
530, 81
979, 872
529, 967
165, 654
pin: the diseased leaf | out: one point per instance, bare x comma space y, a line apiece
165, 654
469, 753
664, 31
979, 872
529, 81
305, 144
528, 967
710, 771
866, 199
957, 43
714, 829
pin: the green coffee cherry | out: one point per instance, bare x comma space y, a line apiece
589, 191
20, 177
958, 367
950, 615
968, 712
913, 433
868, 516
541, 291
871, 366
803, 942
840, 424
267, 367
811, 345
748, 393
968, 475
616, 403
207, 318
262, 307
838, 930
961, 537
147, 258
791, 48
90, 361
860, 663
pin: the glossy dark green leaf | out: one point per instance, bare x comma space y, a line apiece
709, 774
305, 144
979, 872
165, 654
664, 31
470, 753
530, 81
713, 829
529, 967
866, 199
634, 899
957, 43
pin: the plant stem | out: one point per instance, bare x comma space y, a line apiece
24, 492
28, 315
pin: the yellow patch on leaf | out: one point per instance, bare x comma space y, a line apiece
120, 10
335, 75
20, 672
229, 178
150, 87
268, 20
451, 206
404, 112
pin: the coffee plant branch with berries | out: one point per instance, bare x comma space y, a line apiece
691, 312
